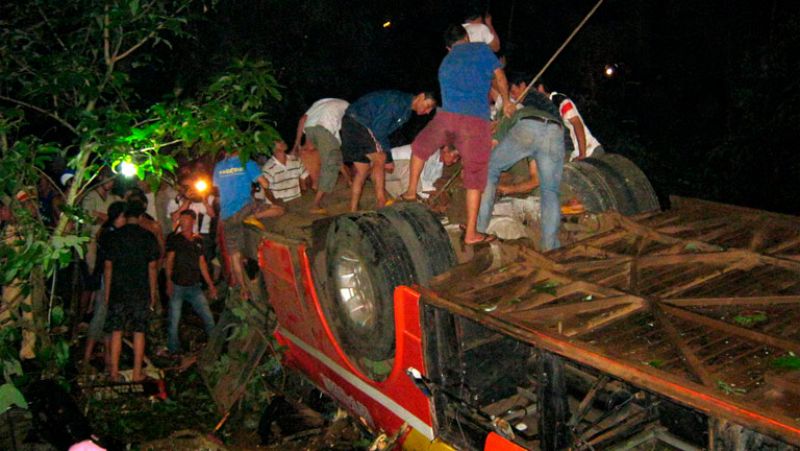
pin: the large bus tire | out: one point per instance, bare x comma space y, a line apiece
609, 182
366, 259
425, 238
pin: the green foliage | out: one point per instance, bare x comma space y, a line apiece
730, 389
546, 286
787, 362
750, 319
10, 396
67, 72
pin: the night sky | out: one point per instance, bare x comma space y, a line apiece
706, 100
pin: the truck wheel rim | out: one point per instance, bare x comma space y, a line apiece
355, 290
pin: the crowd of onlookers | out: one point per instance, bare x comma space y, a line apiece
138, 231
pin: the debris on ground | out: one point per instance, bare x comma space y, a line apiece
185, 439
283, 417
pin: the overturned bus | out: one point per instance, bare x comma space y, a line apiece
670, 329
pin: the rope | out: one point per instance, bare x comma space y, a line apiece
560, 49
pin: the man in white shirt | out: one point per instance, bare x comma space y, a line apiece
321, 125
480, 29
397, 180
584, 143
283, 175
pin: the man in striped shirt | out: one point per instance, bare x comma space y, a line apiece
285, 175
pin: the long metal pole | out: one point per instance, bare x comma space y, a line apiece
560, 49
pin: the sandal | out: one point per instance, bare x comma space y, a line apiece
485, 238
402, 198
254, 222
318, 211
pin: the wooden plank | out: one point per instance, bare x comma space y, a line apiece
738, 266
479, 263
710, 208
720, 258
597, 264
724, 236
584, 251
561, 312
633, 276
783, 382
694, 363
780, 247
737, 358
760, 235
656, 279
603, 320
733, 301
587, 401
758, 337
701, 224
654, 235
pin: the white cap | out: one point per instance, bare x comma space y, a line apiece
66, 177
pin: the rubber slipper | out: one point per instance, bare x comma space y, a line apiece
402, 198
318, 211
485, 238
254, 222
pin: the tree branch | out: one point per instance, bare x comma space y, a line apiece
149, 36
55, 116
170, 143
49, 25
52, 182
141, 42
107, 38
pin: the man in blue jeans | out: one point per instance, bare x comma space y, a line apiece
535, 132
186, 269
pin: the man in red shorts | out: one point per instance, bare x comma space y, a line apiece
465, 76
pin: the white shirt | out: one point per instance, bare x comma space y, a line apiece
327, 113
568, 110
478, 32
284, 180
496, 110
431, 172
202, 224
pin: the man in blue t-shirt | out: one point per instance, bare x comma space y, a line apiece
233, 179
366, 126
465, 77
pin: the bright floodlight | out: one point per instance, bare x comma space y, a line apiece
201, 186
610, 70
127, 169
387, 24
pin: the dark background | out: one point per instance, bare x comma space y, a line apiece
706, 100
